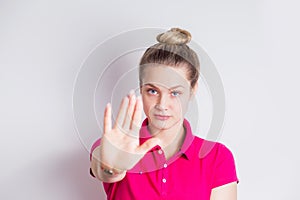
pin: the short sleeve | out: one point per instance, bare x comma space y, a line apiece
96, 144
224, 168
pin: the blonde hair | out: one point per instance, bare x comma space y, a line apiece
172, 50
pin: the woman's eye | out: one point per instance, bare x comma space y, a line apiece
152, 91
175, 93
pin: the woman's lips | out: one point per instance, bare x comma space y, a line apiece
162, 117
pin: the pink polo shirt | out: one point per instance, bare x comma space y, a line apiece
197, 168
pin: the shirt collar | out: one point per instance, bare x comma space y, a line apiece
189, 137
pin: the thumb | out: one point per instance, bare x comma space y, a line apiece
148, 145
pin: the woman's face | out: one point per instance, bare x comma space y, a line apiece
166, 93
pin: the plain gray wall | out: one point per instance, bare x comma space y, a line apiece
254, 44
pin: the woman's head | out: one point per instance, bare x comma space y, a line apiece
168, 75
172, 50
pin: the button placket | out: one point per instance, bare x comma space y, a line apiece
164, 177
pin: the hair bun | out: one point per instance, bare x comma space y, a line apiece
175, 36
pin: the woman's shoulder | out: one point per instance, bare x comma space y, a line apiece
209, 148
218, 159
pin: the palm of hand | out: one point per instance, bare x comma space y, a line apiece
120, 148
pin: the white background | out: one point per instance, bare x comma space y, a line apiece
254, 44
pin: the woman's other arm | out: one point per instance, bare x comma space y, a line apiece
225, 192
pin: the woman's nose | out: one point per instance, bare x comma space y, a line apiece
162, 103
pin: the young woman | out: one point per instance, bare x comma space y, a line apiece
160, 159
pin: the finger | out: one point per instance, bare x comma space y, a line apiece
148, 145
137, 116
107, 119
130, 110
121, 114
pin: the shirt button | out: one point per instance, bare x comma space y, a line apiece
164, 180
160, 151
165, 165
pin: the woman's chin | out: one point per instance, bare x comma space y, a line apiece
162, 125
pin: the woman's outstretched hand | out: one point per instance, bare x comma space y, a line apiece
119, 148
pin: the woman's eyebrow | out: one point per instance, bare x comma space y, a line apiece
151, 85
177, 86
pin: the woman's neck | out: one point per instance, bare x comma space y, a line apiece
171, 139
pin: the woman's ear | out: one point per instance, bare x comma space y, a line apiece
194, 90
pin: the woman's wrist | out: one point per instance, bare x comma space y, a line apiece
110, 171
